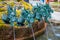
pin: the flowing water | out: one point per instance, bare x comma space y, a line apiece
52, 33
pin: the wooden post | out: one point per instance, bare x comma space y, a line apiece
47, 1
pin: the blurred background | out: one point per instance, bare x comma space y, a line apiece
52, 31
